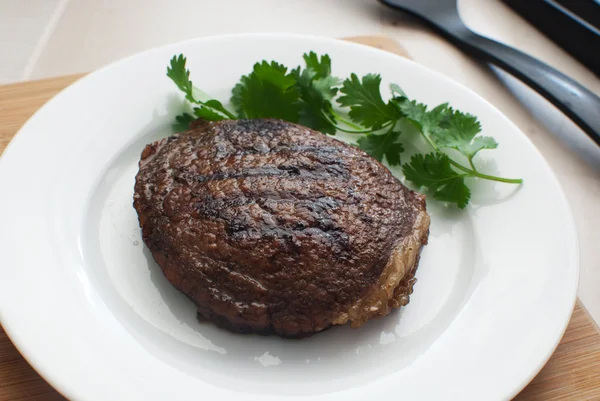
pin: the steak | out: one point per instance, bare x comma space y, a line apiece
271, 227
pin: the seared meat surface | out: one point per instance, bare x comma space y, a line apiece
271, 227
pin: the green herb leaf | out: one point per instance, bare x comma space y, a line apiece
435, 172
216, 105
386, 145
411, 109
181, 76
308, 82
326, 87
269, 91
366, 105
315, 100
397, 90
208, 114
321, 67
447, 128
458, 130
417, 114
182, 122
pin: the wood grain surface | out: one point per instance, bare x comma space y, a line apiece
573, 372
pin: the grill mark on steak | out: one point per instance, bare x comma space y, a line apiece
271, 227
254, 188
316, 218
222, 152
304, 172
305, 161
317, 202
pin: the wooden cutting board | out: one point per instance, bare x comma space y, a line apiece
573, 372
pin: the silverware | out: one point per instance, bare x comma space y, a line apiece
578, 103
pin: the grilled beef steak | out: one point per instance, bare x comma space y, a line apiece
271, 227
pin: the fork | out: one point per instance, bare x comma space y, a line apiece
576, 102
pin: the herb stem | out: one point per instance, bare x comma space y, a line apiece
228, 114
473, 172
223, 112
430, 142
472, 165
345, 121
358, 130
367, 131
499, 179
460, 166
347, 131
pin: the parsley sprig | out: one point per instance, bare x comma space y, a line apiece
209, 109
311, 96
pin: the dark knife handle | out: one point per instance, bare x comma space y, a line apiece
578, 103
573, 25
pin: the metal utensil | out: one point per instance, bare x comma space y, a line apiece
578, 103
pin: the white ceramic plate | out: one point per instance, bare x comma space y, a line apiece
87, 306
